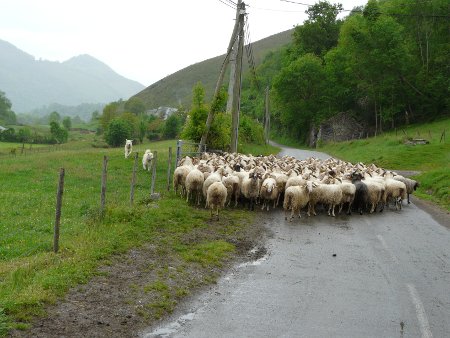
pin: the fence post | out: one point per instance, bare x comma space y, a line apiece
179, 145
133, 178
59, 194
155, 160
103, 192
169, 169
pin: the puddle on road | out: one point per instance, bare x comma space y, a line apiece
259, 253
170, 328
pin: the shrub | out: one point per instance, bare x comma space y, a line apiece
117, 131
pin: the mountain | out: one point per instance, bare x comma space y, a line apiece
29, 83
176, 89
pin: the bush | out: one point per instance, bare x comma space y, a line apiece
117, 131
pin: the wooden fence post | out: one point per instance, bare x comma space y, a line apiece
155, 160
103, 192
133, 178
169, 169
59, 194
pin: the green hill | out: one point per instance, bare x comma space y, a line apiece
176, 89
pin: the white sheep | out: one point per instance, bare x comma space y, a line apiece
233, 186
268, 192
180, 173
194, 184
128, 147
250, 188
216, 197
216, 176
295, 198
328, 194
147, 160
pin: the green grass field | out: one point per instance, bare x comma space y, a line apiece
390, 151
31, 275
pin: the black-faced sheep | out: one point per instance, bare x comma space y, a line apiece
411, 185
250, 188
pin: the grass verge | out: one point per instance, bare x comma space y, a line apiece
32, 276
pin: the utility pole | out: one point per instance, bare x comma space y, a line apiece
267, 118
240, 13
236, 104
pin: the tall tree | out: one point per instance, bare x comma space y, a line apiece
319, 33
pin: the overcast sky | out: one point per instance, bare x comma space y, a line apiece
143, 40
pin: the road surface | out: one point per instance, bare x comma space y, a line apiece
378, 275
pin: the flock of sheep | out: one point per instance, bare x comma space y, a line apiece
220, 180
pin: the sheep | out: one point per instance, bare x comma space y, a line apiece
194, 184
232, 184
348, 195
214, 177
295, 198
180, 173
128, 147
216, 197
328, 194
147, 160
250, 188
361, 192
411, 185
395, 190
268, 192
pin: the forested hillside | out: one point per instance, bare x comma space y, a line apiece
387, 64
176, 89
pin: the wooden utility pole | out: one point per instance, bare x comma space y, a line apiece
240, 13
267, 118
237, 85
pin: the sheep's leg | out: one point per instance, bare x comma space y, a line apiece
292, 214
187, 196
332, 210
349, 211
408, 200
274, 204
264, 204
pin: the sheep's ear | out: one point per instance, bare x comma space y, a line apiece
251, 175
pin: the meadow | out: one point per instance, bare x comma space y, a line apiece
31, 275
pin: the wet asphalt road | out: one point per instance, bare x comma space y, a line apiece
379, 275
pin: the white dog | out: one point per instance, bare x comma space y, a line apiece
128, 147
147, 160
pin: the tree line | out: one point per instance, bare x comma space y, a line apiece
386, 63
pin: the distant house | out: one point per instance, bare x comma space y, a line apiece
162, 112
2, 129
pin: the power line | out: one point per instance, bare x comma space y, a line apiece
227, 4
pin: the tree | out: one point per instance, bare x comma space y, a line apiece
135, 105
118, 130
110, 112
7, 116
171, 127
300, 94
60, 135
67, 122
54, 117
320, 32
